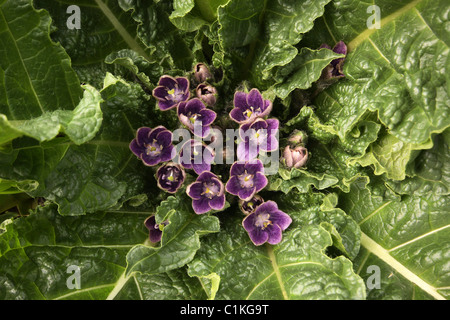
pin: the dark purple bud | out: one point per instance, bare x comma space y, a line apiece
170, 177
335, 68
171, 91
266, 224
202, 73
260, 135
250, 206
197, 156
295, 158
155, 230
196, 117
207, 193
246, 179
249, 106
153, 146
206, 93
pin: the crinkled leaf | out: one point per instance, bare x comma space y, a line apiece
262, 35
93, 176
36, 252
430, 171
410, 234
297, 268
180, 239
399, 70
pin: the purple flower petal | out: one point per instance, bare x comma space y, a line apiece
274, 234
201, 205
247, 150
217, 203
202, 167
233, 185
160, 93
195, 190
164, 138
237, 115
207, 116
254, 166
150, 160
168, 153
237, 168
153, 135
167, 81
260, 181
340, 48
183, 84
135, 148
206, 176
255, 99
240, 100
166, 105
258, 236
246, 194
142, 135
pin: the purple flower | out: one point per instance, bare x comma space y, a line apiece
295, 158
153, 146
194, 115
334, 69
249, 106
155, 230
195, 155
250, 206
206, 93
260, 135
266, 223
201, 72
170, 177
171, 91
246, 179
207, 193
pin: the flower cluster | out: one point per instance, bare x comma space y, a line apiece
263, 221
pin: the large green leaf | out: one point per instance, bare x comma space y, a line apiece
256, 38
399, 70
95, 175
36, 253
409, 234
31, 74
297, 268
180, 239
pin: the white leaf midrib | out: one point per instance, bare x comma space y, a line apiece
383, 254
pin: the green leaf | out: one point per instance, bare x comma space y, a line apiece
430, 171
262, 35
36, 252
98, 174
320, 209
303, 70
399, 70
180, 239
297, 268
168, 45
410, 234
389, 155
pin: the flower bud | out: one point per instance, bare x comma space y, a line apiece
248, 207
295, 158
206, 93
201, 73
298, 138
